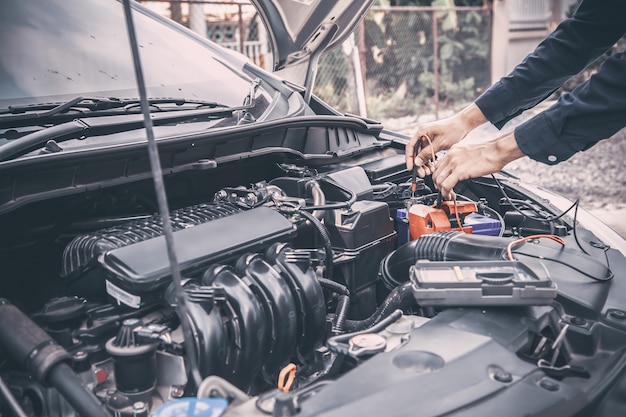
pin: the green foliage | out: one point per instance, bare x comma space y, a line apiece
401, 67
392, 104
401, 51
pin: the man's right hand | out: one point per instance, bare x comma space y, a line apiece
443, 134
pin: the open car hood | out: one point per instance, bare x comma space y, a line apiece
300, 30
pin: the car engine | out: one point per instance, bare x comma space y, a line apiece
312, 291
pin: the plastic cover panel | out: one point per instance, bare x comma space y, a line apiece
144, 266
83, 251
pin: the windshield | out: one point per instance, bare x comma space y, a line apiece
56, 50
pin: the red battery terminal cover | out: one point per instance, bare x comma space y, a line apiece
427, 219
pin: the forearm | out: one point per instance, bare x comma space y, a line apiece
595, 110
471, 117
576, 42
505, 150
432, 137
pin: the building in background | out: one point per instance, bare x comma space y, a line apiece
519, 26
233, 24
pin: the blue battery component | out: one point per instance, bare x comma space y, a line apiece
402, 226
192, 407
482, 225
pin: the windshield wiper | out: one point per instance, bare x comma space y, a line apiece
43, 113
80, 128
52, 108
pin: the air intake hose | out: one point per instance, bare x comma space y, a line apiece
33, 349
439, 246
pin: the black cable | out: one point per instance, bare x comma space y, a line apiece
343, 306
338, 344
607, 278
402, 297
11, 400
332, 206
65, 380
328, 247
574, 206
498, 215
334, 286
383, 188
606, 256
541, 219
575, 234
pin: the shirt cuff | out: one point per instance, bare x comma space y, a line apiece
493, 104
537, 139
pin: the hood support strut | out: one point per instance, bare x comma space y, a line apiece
159, 188
311, 71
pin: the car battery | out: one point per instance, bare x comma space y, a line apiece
483, 225
361, 237
428, 219
423, 219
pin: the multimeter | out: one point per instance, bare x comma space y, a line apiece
481, 283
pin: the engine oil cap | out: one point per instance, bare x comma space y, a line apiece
366, 344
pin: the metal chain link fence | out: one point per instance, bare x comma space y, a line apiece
412, 60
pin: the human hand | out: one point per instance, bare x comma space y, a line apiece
470, 161
433, 137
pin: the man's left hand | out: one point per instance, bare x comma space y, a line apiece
470, 161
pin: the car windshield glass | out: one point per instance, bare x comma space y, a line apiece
56, 50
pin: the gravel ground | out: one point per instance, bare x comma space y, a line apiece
596, 176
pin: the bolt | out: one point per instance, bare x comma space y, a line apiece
80, 355
549, 384
251, 198
578, 321
81, 362
618, 314
140, 409
139, 406
131, 322
502, 376
176, 392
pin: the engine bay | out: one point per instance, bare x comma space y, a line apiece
316, 291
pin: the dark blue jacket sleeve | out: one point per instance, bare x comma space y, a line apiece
594, 111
